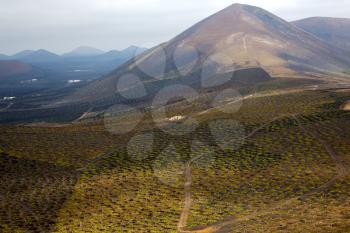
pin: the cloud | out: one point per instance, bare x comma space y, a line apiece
61, 25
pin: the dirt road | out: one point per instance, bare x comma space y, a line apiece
225, 226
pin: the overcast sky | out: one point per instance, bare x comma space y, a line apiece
61, 25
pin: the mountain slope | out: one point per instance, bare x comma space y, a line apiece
239, 36
10, 68
131, 51
335, 31
251, 34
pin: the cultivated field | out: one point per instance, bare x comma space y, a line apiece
279, 164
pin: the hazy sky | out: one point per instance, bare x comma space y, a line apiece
61, 25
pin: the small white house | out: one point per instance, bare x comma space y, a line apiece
74, 81
9, 98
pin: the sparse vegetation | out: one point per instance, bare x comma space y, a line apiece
69, 182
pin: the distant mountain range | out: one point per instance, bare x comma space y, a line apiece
44, 56
335, 31
238, 37
50, 70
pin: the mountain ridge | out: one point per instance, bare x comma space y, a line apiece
331, 30
38, 56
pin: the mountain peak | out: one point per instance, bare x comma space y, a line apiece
43, 51
84, 51
237, 37
132, 47
238, 7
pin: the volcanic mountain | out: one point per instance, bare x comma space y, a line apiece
238, 37
10, 68
335, 31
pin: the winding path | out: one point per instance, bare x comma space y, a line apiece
188, 182
7, 107
341, 168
